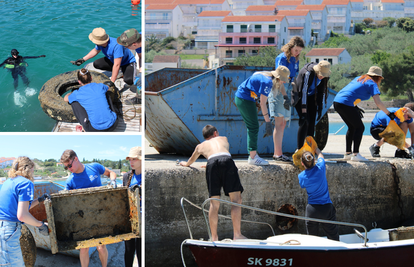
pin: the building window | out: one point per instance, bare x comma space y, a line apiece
241, 53
272, 28
243, 28
229, 28
229, 40
317, 60
257, 28
285, 29
229, 63
256, 40
330, 60
243, 40
229, 54
254, 52
271, 40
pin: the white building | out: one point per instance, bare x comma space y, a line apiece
300, 24
163, 20
332, 55
319, 14
208, 28
339, 16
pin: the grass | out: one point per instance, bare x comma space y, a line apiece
185, 57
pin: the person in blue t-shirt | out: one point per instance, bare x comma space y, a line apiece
381, 121
319, 206
346, 101
116, 56
85, 176
131, 39
258, 86
91, 105
16, 196
132, 179
279, 103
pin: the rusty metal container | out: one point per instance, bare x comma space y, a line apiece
90, 217
180, 102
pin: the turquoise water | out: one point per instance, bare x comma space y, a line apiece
58, 29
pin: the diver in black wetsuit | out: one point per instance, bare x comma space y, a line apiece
17, 66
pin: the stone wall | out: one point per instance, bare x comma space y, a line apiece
362, 193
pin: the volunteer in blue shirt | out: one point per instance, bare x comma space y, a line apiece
132, 179
16, 196
279, 103
85, 176
319, 206
116, 56
381, 121
346, 101
91, 105
131, 39
259, 85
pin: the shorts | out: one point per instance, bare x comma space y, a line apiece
276, 108
222, 172
375, 131
10, 251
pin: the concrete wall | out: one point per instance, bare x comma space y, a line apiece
393, 103
362, 193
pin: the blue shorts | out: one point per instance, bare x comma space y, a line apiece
10, 251
276, 108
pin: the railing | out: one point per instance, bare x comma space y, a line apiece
202, 208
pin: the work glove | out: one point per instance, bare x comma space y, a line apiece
109, 84
286, 103
411, 149
78, 62
112, 184
42, 198
269, 129
43, 56
43, 229
361, 111
391, 115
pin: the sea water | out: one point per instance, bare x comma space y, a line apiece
58, 29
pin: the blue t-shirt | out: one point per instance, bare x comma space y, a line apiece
382, 119
114, 50
356, 92
135, 180
93, 99
293, 65
138, 50
90, 177
254, 86
12, 192
314, 180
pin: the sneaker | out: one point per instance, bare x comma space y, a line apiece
402, 154
374, 151
133, 101
257, 161
282, 158
358, 157
347, 156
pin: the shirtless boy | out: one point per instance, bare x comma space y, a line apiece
220, 172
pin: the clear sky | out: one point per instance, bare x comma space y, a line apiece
51, 145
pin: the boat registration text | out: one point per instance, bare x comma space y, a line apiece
269, 262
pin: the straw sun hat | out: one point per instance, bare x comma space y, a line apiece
98, 36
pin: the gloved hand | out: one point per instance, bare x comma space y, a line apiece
42, 198
269, 129
391, 115
361, 111
112, 184
286, 102
43, 229
78, 62
109, 84
43, 56
133, 188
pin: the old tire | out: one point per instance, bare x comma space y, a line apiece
322, 131
50, 96
28, 247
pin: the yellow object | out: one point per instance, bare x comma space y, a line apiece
400, 114
309, 145
393, 135
253, 95
356, 102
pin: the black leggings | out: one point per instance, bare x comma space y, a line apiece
324, 212
132, 246
128, 70
307, 121
352, 118
15, 74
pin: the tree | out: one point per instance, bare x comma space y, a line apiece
379, 56
367, 22
152, 42
358, 27
406, 24
265, 58
390, 21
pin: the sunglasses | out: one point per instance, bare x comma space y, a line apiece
69, 165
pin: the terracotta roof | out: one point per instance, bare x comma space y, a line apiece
252, 18
166, 59
293, 12
288, 3
295, 28
359, 1
392, 1
325, 52
214, 13
195, 2
158, 2
335, 2
260, 8
161, 7
311, 7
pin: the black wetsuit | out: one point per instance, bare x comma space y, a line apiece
17, 66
